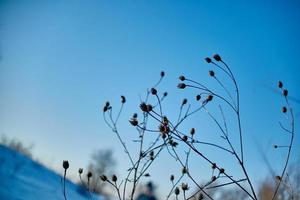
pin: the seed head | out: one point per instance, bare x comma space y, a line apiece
162, 73
201, 196
114, 178
106, 106
182, 78
134, 122
184, 186
208, 60
65, 164
275, 146
176, 191
149, 108
192, 131
172, 178
184, 138
211, 73
285, 92
222, 170
217, 57
214, 166
284, 109
147, 175
165, 120
184, 170
153, 91
198, 97
172, 143
89, 175
278, 178
103, 177
181, 85
209, 97
164, 129
184, 101
143, 107
134, 115
213, 178
123, 99
280, 84
80, 170
165, 94
151, 153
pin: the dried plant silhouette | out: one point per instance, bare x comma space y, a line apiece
169, 135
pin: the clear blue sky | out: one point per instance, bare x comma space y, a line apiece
60, 61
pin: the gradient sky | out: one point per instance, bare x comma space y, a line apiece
60, 61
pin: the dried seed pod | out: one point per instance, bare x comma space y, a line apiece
184, 138
65, 164
208, 60
149, 108
143, 107
214, 166
222, 170
123, 99
103, 177
217, 57
209, 97
176, 191
198, 97
182, 78
192, 131
213, 178
153, 91
285, 92
181, 85
280, 84
114, 178
184, 170
201, 196
184, 186
162, 73
80, 170
184, 101
211, 73
172, 178
151, 153
89, 175
284, 109
134, 122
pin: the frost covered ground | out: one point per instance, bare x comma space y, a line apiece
24, 179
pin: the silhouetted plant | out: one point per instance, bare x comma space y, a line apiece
65, 166
169, 136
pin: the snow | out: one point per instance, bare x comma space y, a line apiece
24, 179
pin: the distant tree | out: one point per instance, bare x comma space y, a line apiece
102, 162
17, 145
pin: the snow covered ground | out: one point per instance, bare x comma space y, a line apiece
24, 179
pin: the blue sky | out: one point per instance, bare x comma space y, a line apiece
60, 61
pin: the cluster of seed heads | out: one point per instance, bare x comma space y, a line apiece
106, 106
